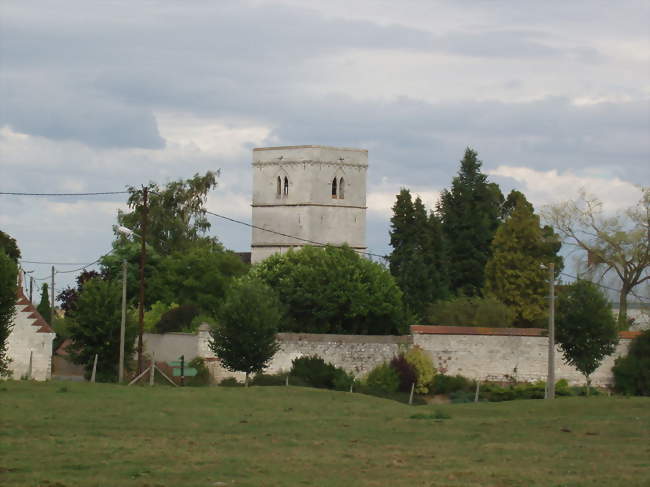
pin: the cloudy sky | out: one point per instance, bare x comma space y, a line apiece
97, 95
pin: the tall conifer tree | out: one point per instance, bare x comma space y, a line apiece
417, 259
44, 306
470, 213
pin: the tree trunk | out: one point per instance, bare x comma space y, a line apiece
588, 386
246, 380
622, 308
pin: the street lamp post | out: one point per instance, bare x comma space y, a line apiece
550, 377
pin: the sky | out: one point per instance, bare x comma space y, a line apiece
96, 96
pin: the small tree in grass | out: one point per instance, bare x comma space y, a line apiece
95, 329
586, 328
244, 339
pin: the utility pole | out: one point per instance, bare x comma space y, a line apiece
52, 301
31, 289
143, 238
550, 378
122, 324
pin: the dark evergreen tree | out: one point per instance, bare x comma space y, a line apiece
417, 260
470, 212
44, 307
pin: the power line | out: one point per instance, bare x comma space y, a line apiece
320, 244
51, 263
100, 193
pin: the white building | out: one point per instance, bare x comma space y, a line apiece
312, 192
29, 344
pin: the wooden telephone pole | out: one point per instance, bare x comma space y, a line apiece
143, 237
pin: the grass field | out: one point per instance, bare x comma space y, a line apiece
72, 434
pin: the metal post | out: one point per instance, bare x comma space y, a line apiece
550, 378
120, 377
143, 237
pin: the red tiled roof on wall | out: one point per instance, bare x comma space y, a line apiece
479, 330
39, 321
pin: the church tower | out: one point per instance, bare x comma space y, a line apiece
312, 192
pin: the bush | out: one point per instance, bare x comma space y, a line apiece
632, 372
461, 397
447, 384
202, 377
383, 379
424, 371
470, 311
278, 379
177, 319
405, 371
315, 372
230, 382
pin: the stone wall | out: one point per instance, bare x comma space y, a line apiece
477, 353
484, 354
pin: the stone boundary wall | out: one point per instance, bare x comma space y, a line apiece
498, 354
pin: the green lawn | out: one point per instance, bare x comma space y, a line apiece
288, 436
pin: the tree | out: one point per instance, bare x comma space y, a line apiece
199, 277
44, 307
176, 214
470, 311
418, 258
95, 328
513, 272
8, 275
245, 336
334, 290
69, 296
586, 329
470, 214
620, 243
632, 372
9, 246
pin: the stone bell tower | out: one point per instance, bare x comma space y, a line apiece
312, 192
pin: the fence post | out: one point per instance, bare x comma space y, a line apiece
478, 386
411, 396
92, 377
153, 368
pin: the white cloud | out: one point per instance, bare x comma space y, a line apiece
381, 197
548, 187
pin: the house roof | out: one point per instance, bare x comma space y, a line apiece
29, 308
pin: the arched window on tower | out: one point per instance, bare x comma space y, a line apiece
334, 193
341, 189
286, 186
279, 188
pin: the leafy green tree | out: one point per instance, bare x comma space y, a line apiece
68, 297
618, 244
513, 273
199, 276
8, 275
95, 329
632, 372
418, 258
176, 214
334, 290
152, 317
470, 214
9, 246
44, 307
245, 336
586, 328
